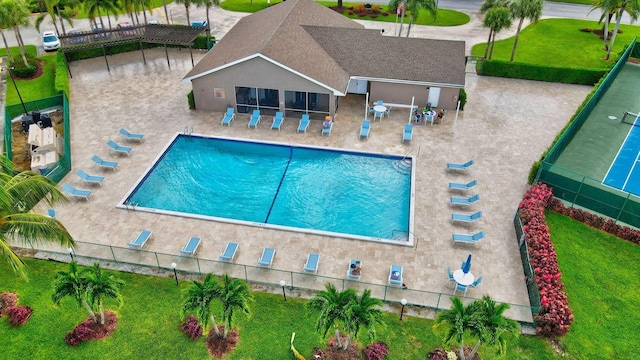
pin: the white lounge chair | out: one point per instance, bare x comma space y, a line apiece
76, 193
191, 247
229, 252
142, 238
266, 259
312, 263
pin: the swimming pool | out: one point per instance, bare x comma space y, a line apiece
316, 190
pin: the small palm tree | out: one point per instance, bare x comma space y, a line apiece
631, 7
74, 285
16, 14
208, 4
524, 9
363, 312
495, 19
187, 4
234, 295
460, 320
101, 285
198, 297
19, 193
332, 306
496, 326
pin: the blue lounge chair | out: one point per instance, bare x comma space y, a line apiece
476, 283
468, 218
312, 263
326, 127
462, 186
130, 136
465, 166
407, 135
395, 275
277, 121
142, 238
467, 238
354, 271
365, 128
76, 193
119, 149
104, 163
255, 119
228, 116
464, 201
90, 179
51, 213
267, 257
191, 247
229, 252
304, 123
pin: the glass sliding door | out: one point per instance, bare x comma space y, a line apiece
302, 102
246, 99
268, 101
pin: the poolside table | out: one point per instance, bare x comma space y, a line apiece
463, 279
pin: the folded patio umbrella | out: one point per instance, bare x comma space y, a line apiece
466, 266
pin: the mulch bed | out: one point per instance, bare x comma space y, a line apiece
96, 330
333, 352
219, 346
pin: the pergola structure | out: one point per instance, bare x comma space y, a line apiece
152, 34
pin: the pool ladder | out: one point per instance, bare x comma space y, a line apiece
404, 165
188, 130
130, 205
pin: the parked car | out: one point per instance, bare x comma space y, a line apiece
200, 23
50, 41
99, 33
126, 29
153, 22
76, 37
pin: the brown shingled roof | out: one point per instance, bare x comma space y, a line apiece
328, 47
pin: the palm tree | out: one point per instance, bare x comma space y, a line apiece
208, 4
495, 19
608, 8
631, 7
234, 295
198, 296
53, 11
17, 14
414, 7
363, 311
19, 193
495, 325
332, 306
186, 4
4, 24
460, 320
100, 286
72, 284
524, 9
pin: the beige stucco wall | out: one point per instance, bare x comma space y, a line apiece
402, 93
256, 72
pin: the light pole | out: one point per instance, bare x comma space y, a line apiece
17, 91
403, 302
284, 295
175, 274
70, 251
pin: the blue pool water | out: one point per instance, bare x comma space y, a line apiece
624, 173
322, 190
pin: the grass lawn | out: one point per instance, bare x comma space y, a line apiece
560, 42
599, 272
445, 17
41, 87
149, 320
82, 14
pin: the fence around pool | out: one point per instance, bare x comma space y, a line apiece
87, 253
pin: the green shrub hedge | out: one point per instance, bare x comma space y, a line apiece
61, 83
514, 70
18, 70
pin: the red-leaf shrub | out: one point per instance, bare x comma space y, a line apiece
90, 330
350, 13
191, 328
385, 14
376, 351
555, 316
7, 301
19, 315
81, 333
362, 14
373, 16
598, 222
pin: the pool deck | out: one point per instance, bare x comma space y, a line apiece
502, 130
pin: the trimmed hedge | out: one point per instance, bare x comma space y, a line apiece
514, 70
555, 316
61, 83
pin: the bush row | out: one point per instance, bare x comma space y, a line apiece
514, 70
555, 316
61, 82
596, 221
